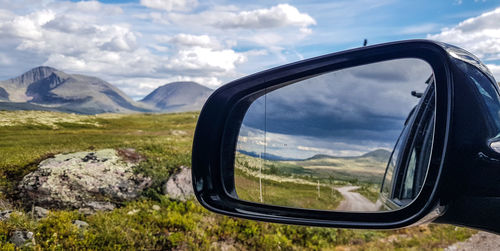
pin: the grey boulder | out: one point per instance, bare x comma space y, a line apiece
80, 224
22, 238
5, 214
40, 212
179, 186
95, 180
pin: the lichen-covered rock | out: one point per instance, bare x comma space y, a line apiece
95, 180
179, 186
5, 214
40, 212
80, 224
22, 238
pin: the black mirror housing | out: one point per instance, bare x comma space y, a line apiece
221, 117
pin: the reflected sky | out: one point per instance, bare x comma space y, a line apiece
343, 113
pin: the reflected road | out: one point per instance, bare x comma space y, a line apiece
354, 201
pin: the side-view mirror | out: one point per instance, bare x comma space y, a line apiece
384, 136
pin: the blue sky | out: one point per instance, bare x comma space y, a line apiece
140, 45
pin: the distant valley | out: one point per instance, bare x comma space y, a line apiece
46, 88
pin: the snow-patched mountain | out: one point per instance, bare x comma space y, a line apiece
46, 87
178, 97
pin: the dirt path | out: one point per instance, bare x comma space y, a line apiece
478, 242
354, 201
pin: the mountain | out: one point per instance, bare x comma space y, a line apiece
46, 87
178, 97
268, 156
379, 154
4, 96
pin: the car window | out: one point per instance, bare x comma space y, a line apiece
401, 190
387, 185
408, 185
420, 151
418, 162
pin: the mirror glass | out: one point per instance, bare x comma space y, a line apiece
336, 141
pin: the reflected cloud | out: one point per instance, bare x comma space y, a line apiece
343, 113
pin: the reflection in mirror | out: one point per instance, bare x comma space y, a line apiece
335, 141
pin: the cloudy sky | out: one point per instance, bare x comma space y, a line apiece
344, 113
141, 44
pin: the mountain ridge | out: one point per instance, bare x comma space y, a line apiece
379, 154
47, 88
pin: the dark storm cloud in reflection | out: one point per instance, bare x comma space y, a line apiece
281, 118
367, 102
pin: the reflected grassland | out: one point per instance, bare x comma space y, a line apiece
311, 183
286, 193
369, 191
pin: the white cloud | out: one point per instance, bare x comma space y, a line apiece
271, 27
77, 44
188, 40
495, 70
26, 26
200, 58
479, 35
276, 16
139, 49
4, 59
170, 5
95, 6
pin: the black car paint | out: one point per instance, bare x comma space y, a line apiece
462, 184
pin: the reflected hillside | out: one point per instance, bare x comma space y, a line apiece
314, 182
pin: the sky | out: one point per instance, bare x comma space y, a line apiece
343, 113
142, 44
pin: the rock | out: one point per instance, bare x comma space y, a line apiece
5, 214
132, 212
4, 205
130, 155
156, 207
22, 238
178, 132
80, 224
86, 211
95, 180
40, 212
480, 241
179, 185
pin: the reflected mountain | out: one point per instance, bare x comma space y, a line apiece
379, 154
267, 156
369, 167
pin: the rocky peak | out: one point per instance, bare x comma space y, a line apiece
33, 75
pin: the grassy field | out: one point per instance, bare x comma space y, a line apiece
296, 183
29, 137
288, 194
369, 191
165, 140
353, 169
